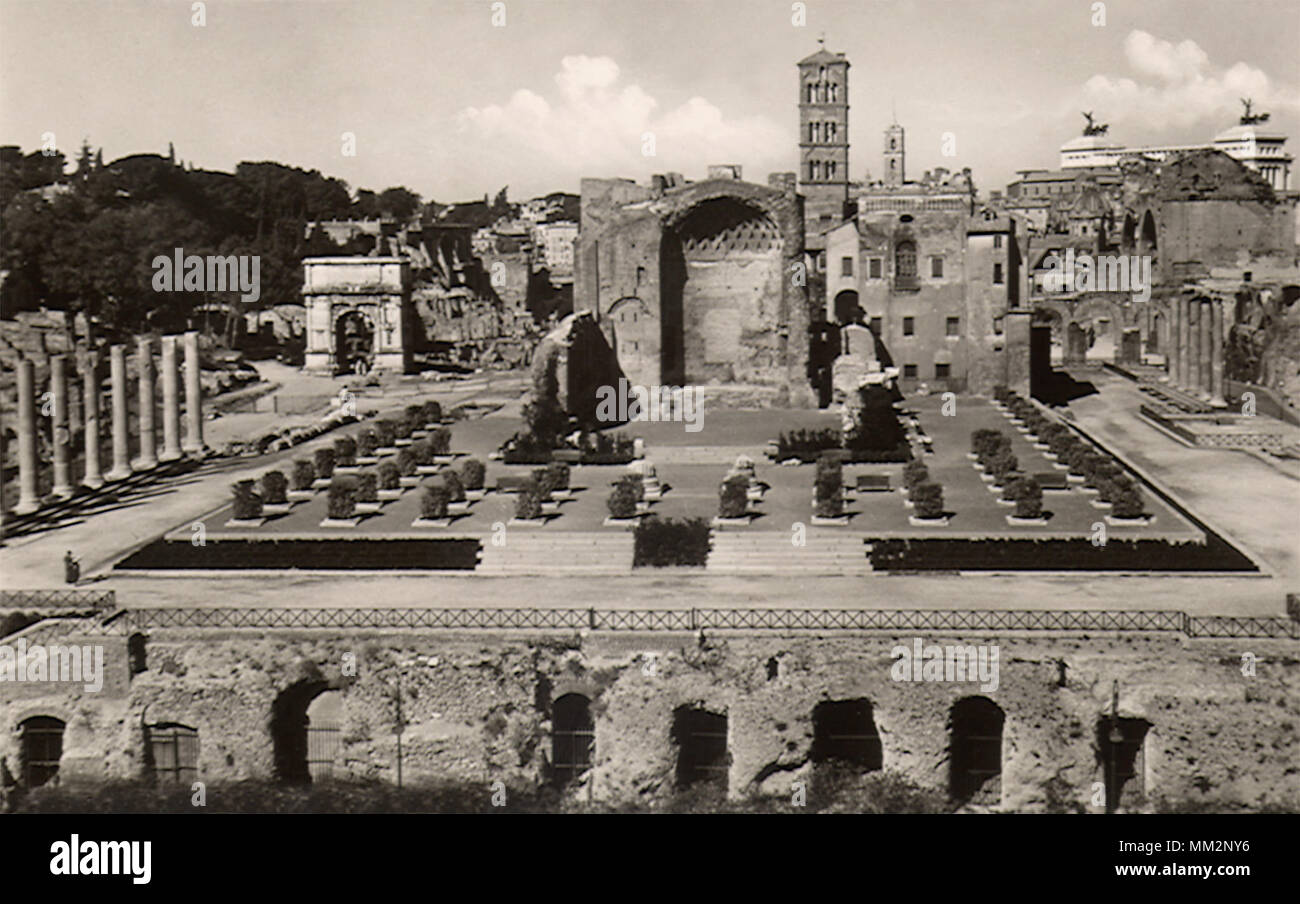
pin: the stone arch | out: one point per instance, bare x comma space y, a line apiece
847, 307
845, 731
288, 726
634, 331
1149, 237
1128, 236
700, 736
354, 340
1121, 754
137, 653
573, 737
975, 749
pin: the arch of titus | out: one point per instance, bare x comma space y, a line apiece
146, 434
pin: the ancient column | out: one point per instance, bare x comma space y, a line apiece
90, 393
28, 500
1184, 342
121, 444
148, 436
1198, 349
1208, 346
1218, 338
171, 401
1170, 340
193, 396
59, 426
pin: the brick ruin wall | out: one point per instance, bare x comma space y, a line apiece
477, 709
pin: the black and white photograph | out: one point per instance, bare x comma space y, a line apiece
650, 407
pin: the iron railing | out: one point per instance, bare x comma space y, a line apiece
893, 620
57, 599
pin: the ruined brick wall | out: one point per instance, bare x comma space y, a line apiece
478, 708
1196, 235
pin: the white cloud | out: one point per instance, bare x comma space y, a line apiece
595, 126
1178, 86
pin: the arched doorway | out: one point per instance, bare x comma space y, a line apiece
975, 749
289, 731
1076, 344
354, 343
573, 737
40, 740
847, 308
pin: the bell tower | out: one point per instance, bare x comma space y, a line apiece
823, 142
894, 156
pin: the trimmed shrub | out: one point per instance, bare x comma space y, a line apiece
638, 488
622, 500
342, 500
248, 505
1099, 468
440, 440
660, 542
324, 460
402, 428
928, 499
422, 451
406, 462
367, 443
385, 433
451, 480
1129, 503
559, 475
828, 489
472, 473
915, 472
1028, 496
1077, 458
274, 487
1001, 393
303, 475
1061, 442
982, 440
367, 486
733, 497
432, 412
528, 504
1001, 464
1109, 489
433, 504
414, 417
345, 451
389, 476
545, 481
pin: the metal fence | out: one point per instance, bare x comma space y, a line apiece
57, 599
894, 620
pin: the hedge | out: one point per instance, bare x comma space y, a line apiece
303, 475
342, 500
389, 476
324, 459
472, 473
367, 486
345, 451
433, 504
274, 486
661, 542
622, 500
928, 500
451, 480
1077, 554
528, 504
248, 505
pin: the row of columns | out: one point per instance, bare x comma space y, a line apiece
122, 467
1197, 336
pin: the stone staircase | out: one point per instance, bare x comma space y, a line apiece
771, 552
534, 550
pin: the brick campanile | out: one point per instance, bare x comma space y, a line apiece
823, 142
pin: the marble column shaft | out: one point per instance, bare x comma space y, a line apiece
59, 433
193, 396
148, 438
28, 498
121, 441
171, 401
90, 393
1184, 342
1219, 338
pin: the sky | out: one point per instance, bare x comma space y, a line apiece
456, 99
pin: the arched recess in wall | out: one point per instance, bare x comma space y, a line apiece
40, 749
844, 732
975, 750
636, 335
847, 307
1121, 756
700, 737
300, 754
573, 737
1149, 239
1128, 237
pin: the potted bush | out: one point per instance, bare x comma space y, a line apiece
528, 506
406, 468
413, 415
401, 432
980, 440
828, 494
367, 443
1076, 460
559, 479
432, 414
342, 504
422, 452
472, 475
914, 472
367, 493
1029, 502
1001, 465
275, 493
387, 437
1128, 507
324, 461
302, 480
440, 442
544, 480
733, 500
433, 507
247, 509
390, 482
928, 498
622, 505
457, 502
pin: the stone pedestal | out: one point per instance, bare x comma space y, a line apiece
144, 365
59, 433
121, 441
90, 393
28, 498
171, 401
193, 396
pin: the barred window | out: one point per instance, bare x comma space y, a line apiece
173, 752
573, 737
41, 743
